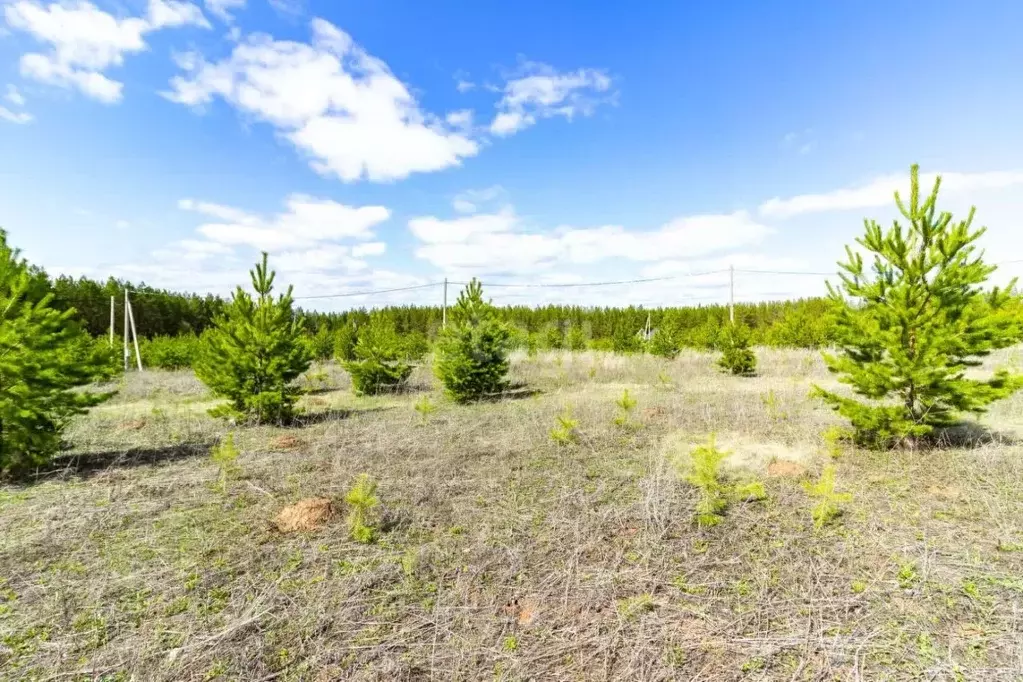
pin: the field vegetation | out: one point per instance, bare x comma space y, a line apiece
482, 503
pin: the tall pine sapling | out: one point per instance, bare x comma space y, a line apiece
472, 352
908, 331
44, 356
737, 356
381, 362
254, 353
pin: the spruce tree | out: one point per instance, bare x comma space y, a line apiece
44, 356
908, 331
472, 352
254, 353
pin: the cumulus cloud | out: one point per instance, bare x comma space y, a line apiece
308, 222
331, 99
223, 8
14, 97
501, 243
880, 192
85, 41
14, 116
539, 91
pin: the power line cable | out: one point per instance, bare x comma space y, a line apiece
369, 293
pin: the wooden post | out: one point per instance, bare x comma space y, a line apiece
731, 293
127, 355
135, 338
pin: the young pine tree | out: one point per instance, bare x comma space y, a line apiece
916, 324
737, 356
472, 352
667, 340
381, 361
44, 356
254, 352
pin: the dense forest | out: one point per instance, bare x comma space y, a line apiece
804, 322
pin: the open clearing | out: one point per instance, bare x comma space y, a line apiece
506, 556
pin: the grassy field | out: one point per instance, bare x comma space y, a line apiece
505, 556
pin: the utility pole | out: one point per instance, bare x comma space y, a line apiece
127, 355
444, 311
111, 321
731, 293
135, 337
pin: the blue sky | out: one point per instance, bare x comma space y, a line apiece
385, 144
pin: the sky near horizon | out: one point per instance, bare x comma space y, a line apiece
376, 144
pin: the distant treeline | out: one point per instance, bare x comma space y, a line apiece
803, 322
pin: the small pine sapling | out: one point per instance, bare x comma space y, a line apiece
664, 379
381, 363
45, 357
225, 456
626, 403
575, 339
255, 352
565, 431
910, 328
716, 491
362, 499
472, 352
425, 407
834, 438
829, 503
737, 355
705, 474
773, 405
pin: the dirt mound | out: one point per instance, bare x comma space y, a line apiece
785, 468
287, 442
308, 514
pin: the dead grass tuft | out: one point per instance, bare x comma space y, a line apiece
502, 556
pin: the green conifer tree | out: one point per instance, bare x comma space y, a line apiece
737, 356
472, 352
44, 356
909, 331
255, 352
381, 361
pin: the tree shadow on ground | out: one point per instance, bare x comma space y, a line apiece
970, 434
332, 415
83, 465
514, 391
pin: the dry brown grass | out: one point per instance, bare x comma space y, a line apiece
502, 555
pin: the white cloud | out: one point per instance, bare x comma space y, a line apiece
469, 201
464, 85
122, 224
881, 191
14, 97
223, 8
499, 242
369, 249
289, 8
801, 143
308, 222
539, 91
332, 100
85, 40
14, 117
